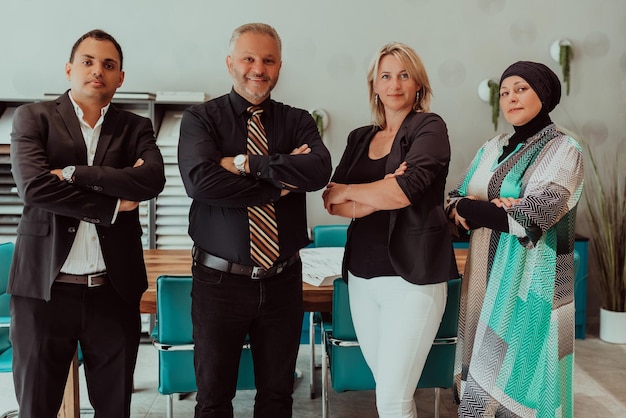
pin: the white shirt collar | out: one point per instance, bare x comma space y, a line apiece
79, 111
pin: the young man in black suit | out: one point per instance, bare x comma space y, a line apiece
81, 166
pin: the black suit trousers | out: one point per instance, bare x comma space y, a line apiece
45, 336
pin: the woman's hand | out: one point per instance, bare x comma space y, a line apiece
338, 201
399, 171
458, 219
334, 194
505, 201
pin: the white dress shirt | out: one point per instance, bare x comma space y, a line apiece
85, 257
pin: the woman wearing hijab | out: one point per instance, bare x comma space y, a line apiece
518, 199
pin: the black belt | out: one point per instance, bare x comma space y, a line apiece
91, 280
254, 272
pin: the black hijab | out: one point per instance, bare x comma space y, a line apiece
547, 86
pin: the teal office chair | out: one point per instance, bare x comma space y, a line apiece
343, 359
174, 342
330, 235
323, 236
6, 352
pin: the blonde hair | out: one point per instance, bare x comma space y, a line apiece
415, 69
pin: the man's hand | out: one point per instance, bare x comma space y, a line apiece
302, 149
127, 205
58, 172
228, 164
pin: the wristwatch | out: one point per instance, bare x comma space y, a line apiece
68, 173
240, 163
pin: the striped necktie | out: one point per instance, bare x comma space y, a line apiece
261, 219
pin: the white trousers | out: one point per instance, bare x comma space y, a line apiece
396, 323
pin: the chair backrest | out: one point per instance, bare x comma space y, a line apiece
330, 235
174, 327
343, 328
438, 371
174, 310
349, 371
348, 368
450, 322
342, 317
6, 256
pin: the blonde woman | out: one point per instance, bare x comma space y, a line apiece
399, 253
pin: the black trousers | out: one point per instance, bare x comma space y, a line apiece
226, 307
45, 335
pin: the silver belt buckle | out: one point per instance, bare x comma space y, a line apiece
256, 272
90, 277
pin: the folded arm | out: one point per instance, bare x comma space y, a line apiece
210, 177
291, 168
39, 152
122, 176
359, 200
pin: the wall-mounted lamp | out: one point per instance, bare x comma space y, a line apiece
321, 120
489, 91
562, 52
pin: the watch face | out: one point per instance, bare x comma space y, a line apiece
68, 172
240, 159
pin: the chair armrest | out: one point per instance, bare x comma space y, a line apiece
445, 341
171, 347
342, 343
5, 321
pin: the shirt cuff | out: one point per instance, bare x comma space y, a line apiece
259, 166
117, 208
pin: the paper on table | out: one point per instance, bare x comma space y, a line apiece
321, 266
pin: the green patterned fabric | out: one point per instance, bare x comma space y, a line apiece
516, 332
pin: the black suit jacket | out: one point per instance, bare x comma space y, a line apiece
47, 136
420, 245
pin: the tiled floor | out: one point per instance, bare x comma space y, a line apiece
600, 389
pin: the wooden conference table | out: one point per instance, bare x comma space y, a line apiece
178, 263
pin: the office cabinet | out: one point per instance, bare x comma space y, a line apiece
10, 202
164, 219
171, 207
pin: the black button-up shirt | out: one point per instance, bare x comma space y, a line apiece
218, 219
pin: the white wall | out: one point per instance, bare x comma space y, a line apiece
327, 45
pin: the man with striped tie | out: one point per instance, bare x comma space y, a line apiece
247, 162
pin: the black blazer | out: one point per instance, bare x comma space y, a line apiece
420, 244
47, 136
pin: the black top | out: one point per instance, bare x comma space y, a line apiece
370, 253
218, 219
419, 244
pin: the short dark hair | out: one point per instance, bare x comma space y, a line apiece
99, 35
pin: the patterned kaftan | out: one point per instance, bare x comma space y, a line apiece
516, 332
